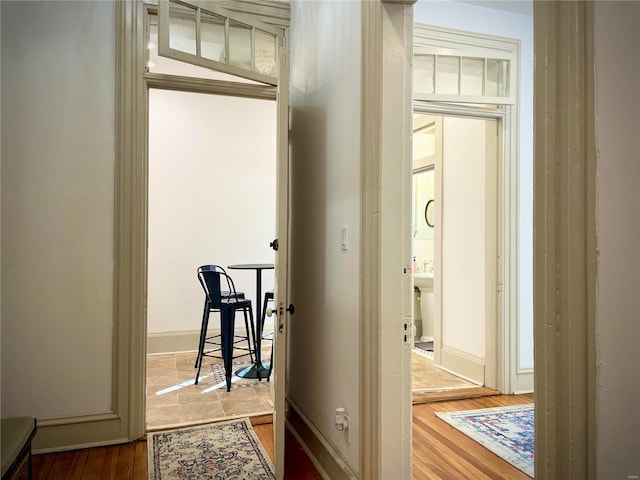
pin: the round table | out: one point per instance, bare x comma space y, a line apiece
252, 370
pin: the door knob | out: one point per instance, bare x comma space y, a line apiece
291, 309
274, 244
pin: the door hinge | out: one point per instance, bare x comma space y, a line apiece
406, 330
282, 317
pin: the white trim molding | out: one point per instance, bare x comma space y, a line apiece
73, 432
385, 300
564, 241
370, 318
130, 277
470, 367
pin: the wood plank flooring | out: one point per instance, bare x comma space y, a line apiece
439, 452
442, 452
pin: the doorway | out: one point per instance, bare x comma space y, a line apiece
199, 216
455, 251
215, 142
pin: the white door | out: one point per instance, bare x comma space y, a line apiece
207, 35
281, 293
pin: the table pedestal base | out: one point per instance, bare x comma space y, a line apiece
252, 371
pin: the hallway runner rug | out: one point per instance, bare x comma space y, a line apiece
216, 451
506, 431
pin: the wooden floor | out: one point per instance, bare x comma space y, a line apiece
129, 461
439, 452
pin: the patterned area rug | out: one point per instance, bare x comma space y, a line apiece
217, 451
506, 431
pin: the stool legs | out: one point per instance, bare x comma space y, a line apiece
227, 338
228, 331
203, 337
203, 331
264, 308
228, 321
249, 327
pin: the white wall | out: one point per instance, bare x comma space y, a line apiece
463, 235
472, 18
58, 124
211, 199
618, 231
325, 159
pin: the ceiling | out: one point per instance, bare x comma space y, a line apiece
523, 7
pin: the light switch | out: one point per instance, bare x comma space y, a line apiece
343, 243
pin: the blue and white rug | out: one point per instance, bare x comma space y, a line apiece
217, 451
506, 431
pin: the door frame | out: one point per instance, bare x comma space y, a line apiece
498, 339
498, 364
565, 242
502, 343
131, 206
385, 299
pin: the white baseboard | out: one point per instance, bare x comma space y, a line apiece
465, 365
322, 453
78, 431
184, 341
524, 381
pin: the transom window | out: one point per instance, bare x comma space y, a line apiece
201, 33
471, 70
458, 75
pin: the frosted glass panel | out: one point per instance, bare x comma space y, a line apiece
497, 78
212, 44
265, 53
182, 28
472, 76
447, 75
239, 45
423, 74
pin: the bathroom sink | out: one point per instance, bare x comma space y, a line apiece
423, 280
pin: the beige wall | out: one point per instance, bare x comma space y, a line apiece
618, 231
58, 124
325, 159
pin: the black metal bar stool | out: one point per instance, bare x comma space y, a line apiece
212, 277
207, 305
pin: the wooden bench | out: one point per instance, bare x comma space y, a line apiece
16, 434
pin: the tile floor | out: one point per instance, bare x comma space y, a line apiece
427, 377
174, 400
